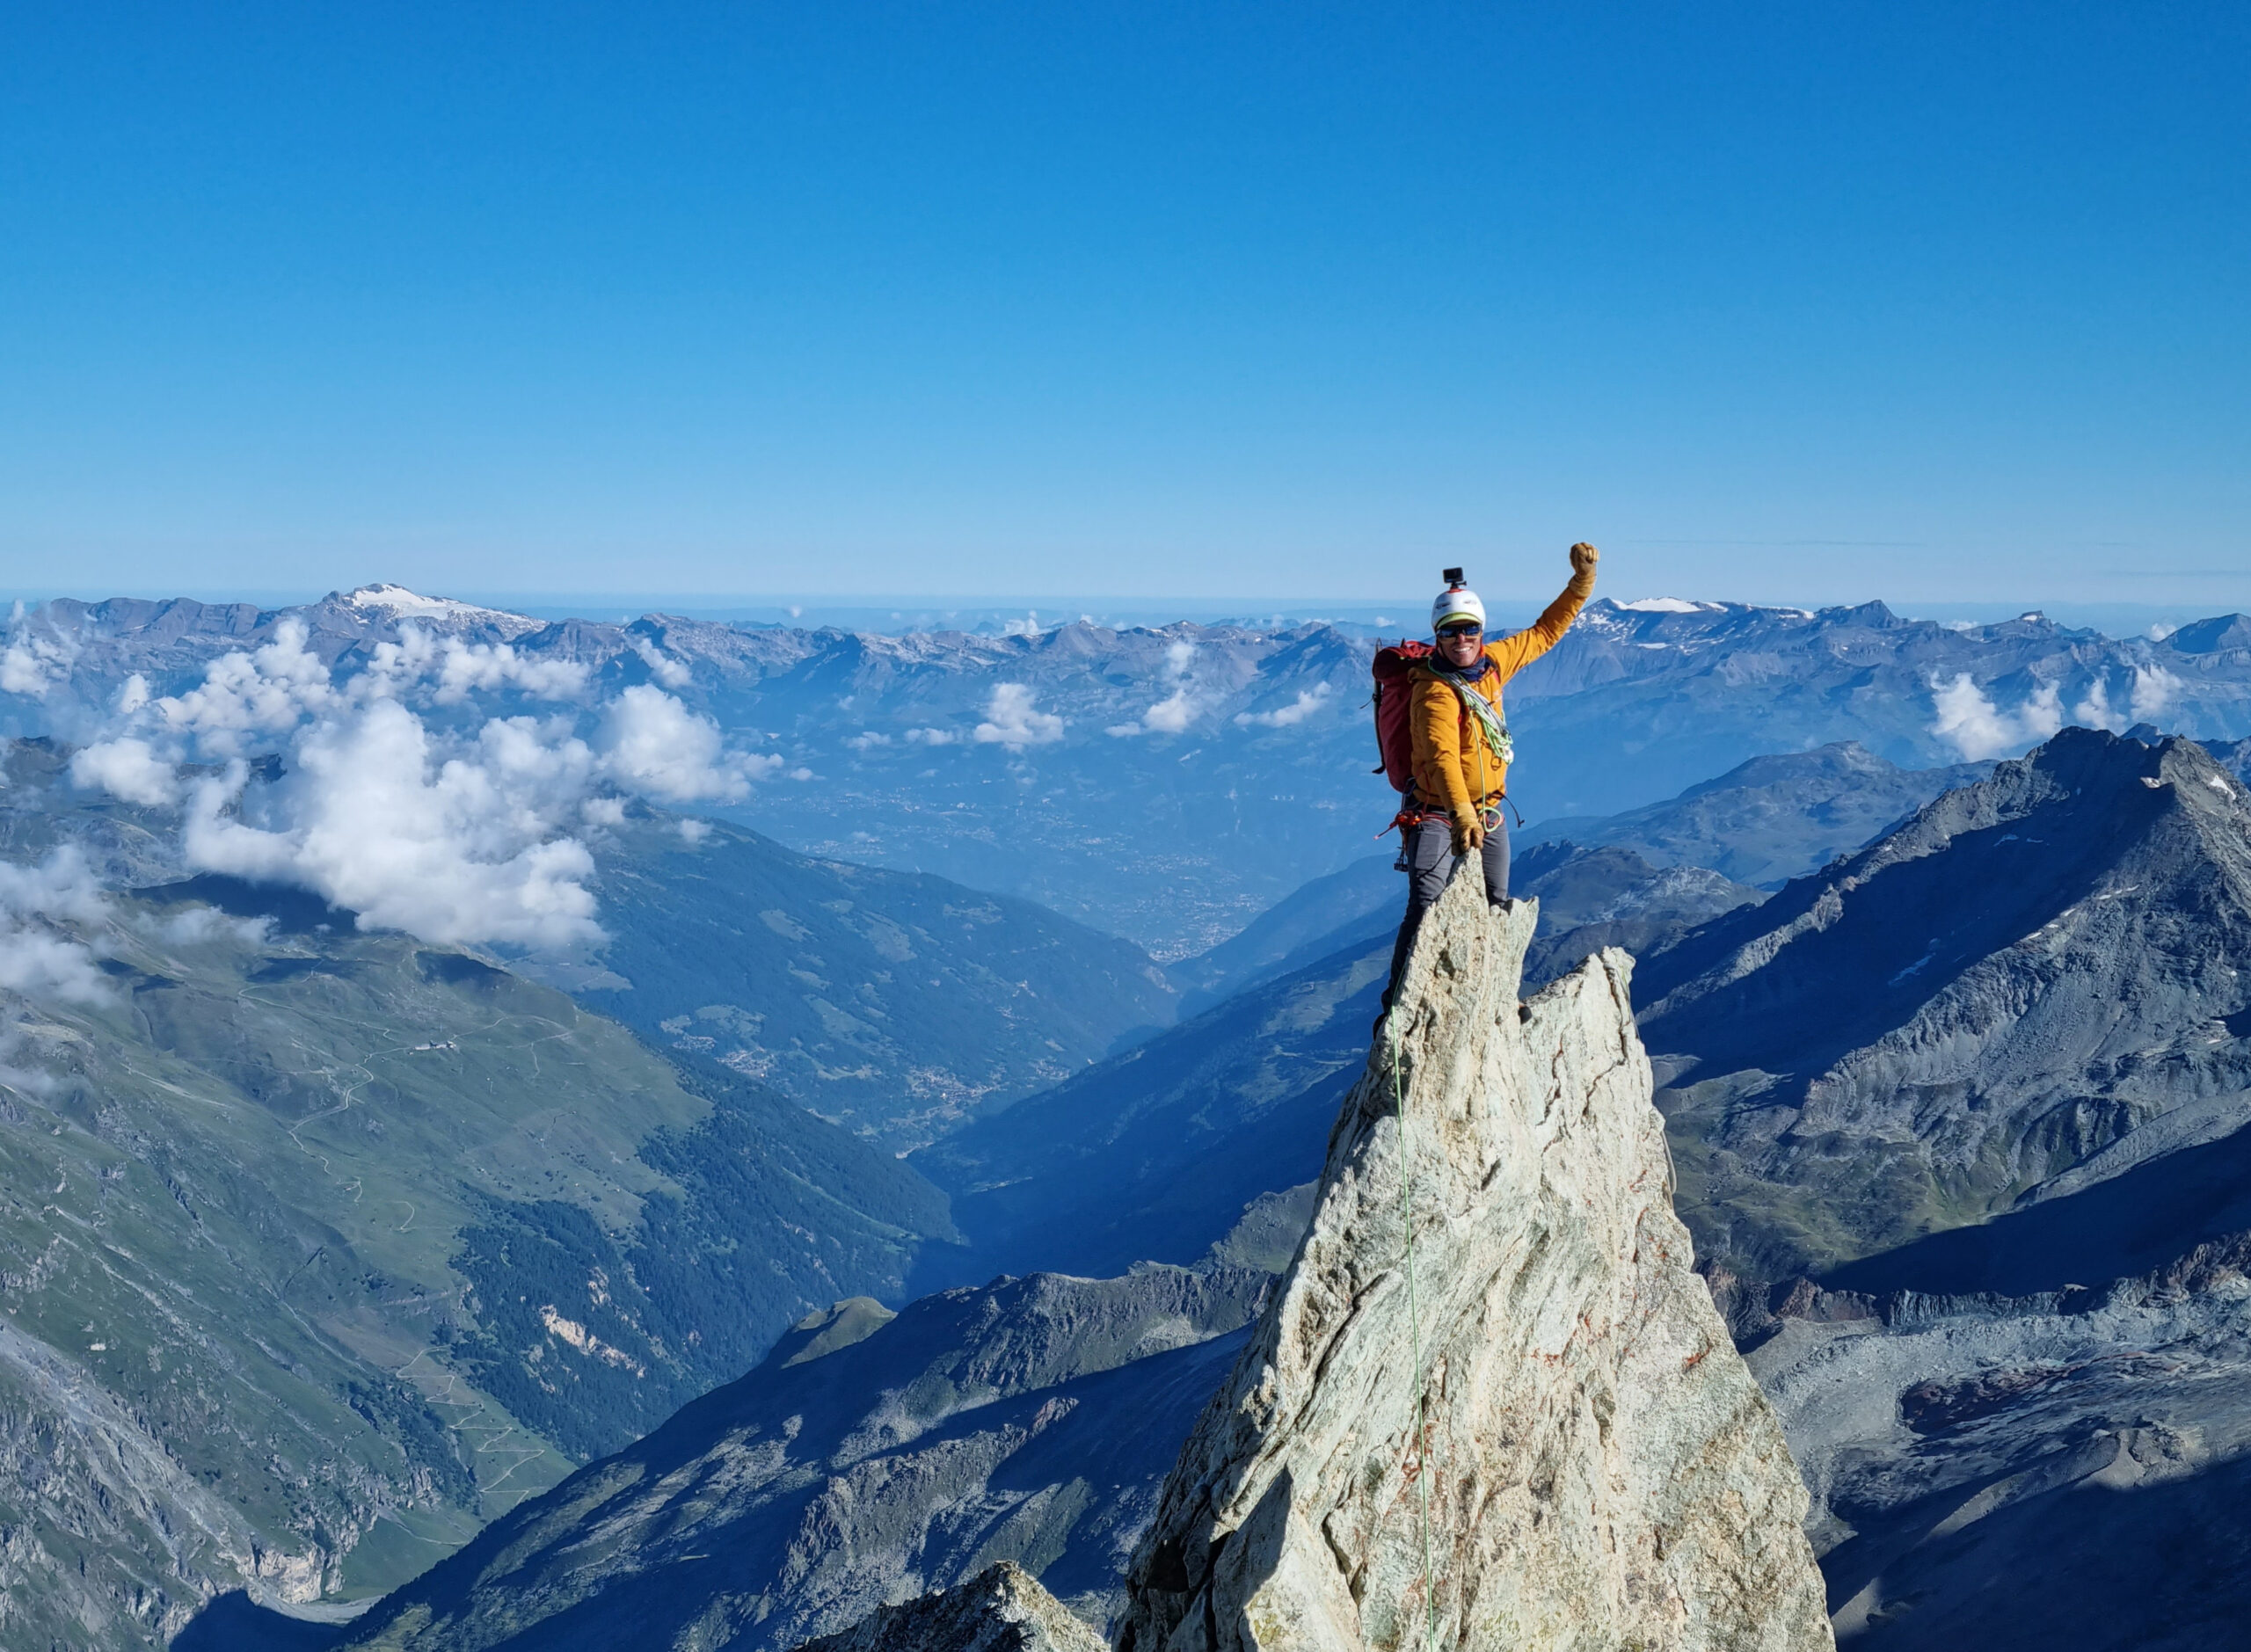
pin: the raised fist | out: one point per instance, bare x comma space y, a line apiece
1584, 556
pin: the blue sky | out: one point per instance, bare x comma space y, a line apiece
1799, 303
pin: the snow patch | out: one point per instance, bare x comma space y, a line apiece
396, 602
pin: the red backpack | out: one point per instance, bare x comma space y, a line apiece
1392, 699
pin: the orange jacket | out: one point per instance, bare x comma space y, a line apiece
1454, 764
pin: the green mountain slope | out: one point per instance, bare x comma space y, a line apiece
890, 1002
318, 1248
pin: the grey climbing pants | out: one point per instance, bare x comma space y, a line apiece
1431, 866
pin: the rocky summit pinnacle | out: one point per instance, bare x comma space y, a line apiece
1531, 1430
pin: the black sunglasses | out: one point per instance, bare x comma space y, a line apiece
1461, 631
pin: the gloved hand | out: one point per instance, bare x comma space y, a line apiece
1584, 556
1468, 834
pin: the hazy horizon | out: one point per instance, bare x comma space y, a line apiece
911, 612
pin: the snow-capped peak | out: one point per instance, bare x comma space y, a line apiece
396, 602
1669, 605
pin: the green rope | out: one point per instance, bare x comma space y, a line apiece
1415, 1342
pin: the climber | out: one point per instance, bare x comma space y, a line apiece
1461, 746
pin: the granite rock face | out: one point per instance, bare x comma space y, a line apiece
1002, 1609
1590, 1466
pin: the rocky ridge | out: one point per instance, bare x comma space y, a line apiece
2035, 982
869, 1459
1595, 1467
1772, 819
1002, 1609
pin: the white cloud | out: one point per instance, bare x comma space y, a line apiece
1171, 715
1309, 701
35, 959
694, 832
461, 669
1028, 626
133, 696
670, 672
1978, 729
869, 740
2043, 713
31, 664
1011, 720
266, 691
1176, 711
454, 834
651, 743
2154, 689
198, 924
1969, 720
373, 818
127, 767
932, 737
2094, 709
467, 667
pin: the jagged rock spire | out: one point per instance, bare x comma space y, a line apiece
1600, 1469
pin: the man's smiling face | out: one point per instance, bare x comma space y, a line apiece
1461, 643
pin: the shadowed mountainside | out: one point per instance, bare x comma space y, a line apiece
1772, 818
1156, 1152
2017, 986
2052, 1470
870, 1458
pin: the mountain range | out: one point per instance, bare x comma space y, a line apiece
330, 1244
1938, 1350
895, 1004
1168, 784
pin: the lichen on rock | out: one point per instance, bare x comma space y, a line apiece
1540, 1437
